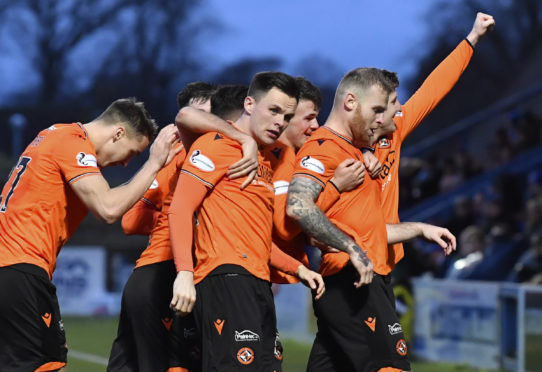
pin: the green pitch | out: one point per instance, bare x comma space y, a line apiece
90, 339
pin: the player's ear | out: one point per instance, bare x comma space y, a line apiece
120, 132
249, 104
350, 102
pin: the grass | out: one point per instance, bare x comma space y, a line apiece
95, 336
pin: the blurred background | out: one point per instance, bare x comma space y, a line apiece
473, 166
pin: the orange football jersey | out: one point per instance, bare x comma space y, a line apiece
39, 211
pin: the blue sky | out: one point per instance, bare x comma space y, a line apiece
389, 34
382, 33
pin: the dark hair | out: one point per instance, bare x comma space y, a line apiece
263, 82
228, 101
195, 91
133, 113
361, 79
308, 91
392, 79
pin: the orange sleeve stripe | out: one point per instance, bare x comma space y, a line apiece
282, 261
208, 184
177, 369
322, 183
76, 178
51, 366
328, 197
188, 196
145, 200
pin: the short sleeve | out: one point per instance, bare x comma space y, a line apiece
76, 158
209, 158
317, 160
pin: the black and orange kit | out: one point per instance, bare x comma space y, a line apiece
38, 213
358, 329
234, 310
143, 337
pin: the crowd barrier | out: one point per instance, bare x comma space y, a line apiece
482, 324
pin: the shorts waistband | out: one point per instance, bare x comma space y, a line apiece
30, 269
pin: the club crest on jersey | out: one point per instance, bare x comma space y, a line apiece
245, 355
201, 161
86, 160
313, 164
384, 143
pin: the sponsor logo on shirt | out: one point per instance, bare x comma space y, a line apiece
395, 329
313, 164
246, 335
201, 161
154, 185
86, 160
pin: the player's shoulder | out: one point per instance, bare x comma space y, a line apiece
64, 131
322, 140
213, 140
278, 151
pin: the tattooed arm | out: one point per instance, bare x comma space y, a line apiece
301, 207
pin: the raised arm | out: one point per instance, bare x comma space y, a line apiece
301, 207
109, 204
483, 24
444, 77
193, 122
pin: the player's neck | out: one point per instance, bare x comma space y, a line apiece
286, 141
338, 124
98, 134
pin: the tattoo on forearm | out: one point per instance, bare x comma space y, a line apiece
302, 193
362, 256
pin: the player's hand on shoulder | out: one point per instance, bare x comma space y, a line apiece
348, 175
441, 236
248, 165
311, 279
372, 164
163, 149
184, 293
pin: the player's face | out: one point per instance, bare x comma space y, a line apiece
269, 115
302, 124
119, 151
369, 115
388, 127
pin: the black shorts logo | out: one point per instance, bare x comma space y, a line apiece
245, 355
401, 347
